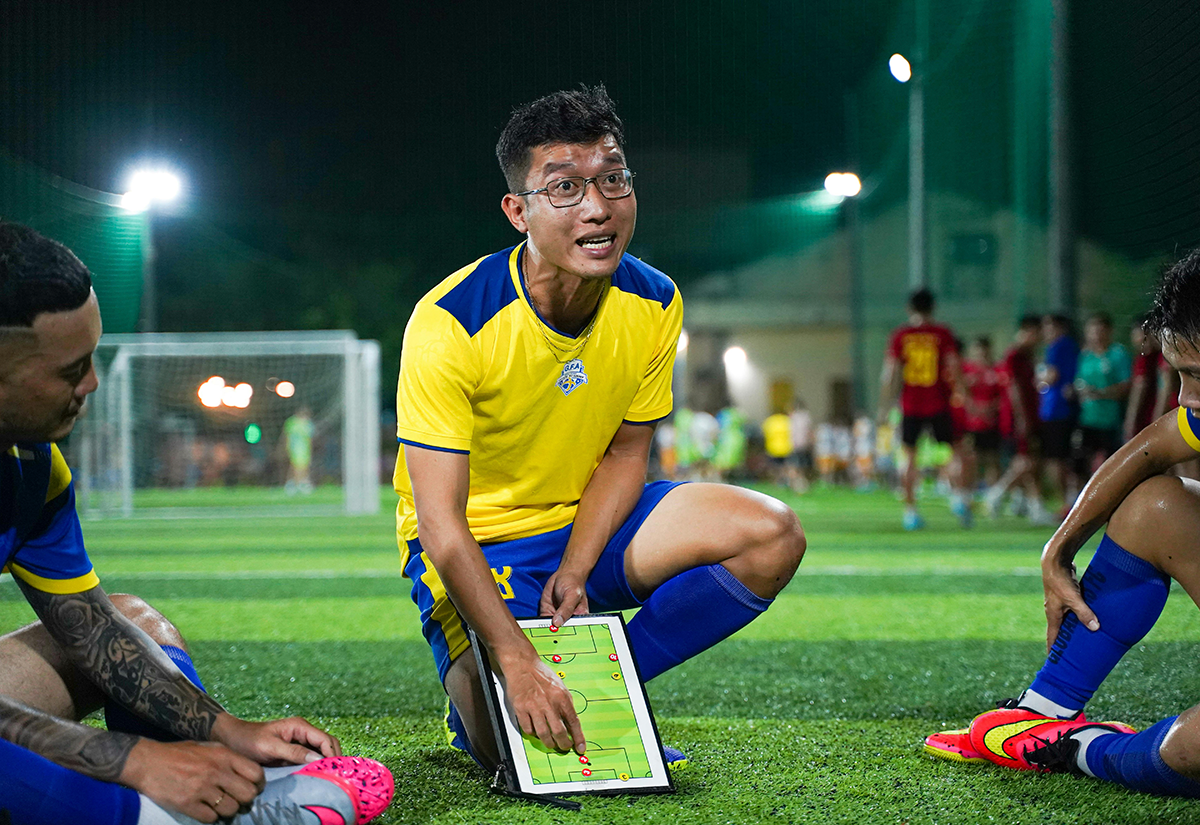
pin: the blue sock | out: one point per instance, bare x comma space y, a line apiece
35, 791
1127, 595
1132, 760
688, 614
118, 717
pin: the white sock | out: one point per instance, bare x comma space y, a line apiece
152, 814
1085, 737
1034, 701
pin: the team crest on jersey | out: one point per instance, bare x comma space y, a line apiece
573, 377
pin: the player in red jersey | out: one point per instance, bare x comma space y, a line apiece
1018, 426
922, 364
1143, 388
984, 392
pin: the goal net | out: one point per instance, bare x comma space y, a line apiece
270, 423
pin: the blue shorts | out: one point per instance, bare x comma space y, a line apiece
521, 568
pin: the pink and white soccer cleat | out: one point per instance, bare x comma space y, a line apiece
371, 781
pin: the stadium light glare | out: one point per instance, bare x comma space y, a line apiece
843, 184
900, 68
682, 344
285, 389
210, 392
736, 360
150, 186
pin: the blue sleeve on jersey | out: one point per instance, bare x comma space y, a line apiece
53, 552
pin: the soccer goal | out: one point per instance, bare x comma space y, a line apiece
264, 423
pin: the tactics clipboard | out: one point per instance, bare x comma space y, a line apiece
591, 654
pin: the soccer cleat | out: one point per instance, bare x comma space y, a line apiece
1006, 736
953, 746
371, 781
304, 798
1058, 752
676, 759
913, 520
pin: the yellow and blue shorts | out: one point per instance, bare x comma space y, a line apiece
521, 568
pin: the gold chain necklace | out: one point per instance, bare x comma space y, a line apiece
562, 355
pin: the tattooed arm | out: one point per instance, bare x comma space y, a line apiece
126, 664
97, 753
123, 661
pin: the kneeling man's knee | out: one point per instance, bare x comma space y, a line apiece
781, 538
1156, 514
148, 619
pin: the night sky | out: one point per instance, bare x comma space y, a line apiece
394, 108
339, 157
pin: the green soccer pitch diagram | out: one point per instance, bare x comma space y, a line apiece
591, 655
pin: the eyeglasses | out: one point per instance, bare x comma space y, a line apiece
564, 192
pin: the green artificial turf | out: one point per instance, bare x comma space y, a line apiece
815, 713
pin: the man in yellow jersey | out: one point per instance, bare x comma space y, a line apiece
1153, 520
530, 384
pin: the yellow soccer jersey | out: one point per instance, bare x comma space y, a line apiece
481, 373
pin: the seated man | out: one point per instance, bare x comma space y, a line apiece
1153, 521
89, 650
530, 384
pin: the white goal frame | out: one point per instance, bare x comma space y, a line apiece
104, 444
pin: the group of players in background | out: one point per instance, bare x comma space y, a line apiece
1026, 428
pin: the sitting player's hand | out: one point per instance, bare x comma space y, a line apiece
544, 707
291, 741
564, 596
1062, 594
203, 780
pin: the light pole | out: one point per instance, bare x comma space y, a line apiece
847, 186
149, 188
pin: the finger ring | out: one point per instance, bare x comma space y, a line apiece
218, 802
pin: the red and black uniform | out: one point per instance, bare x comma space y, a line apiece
1017, 369
923, 352
985, 390
1145, 367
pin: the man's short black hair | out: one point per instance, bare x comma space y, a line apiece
582, 116
984, 341
1030, 321
921, 301
37, 275
1176, 308
1102, 318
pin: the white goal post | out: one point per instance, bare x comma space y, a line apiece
230, 423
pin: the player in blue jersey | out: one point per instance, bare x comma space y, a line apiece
1153, 523
530, 385
171, 754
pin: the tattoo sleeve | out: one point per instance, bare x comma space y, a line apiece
123, 661
97, 753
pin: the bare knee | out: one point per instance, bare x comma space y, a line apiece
1157, 518
148, 619
773, 547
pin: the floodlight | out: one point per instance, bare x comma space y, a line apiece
210, 391
150, 186
900, 68
843, 184
735, 359
682, 344
285, 389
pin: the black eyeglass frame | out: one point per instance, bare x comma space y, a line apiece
629, 176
